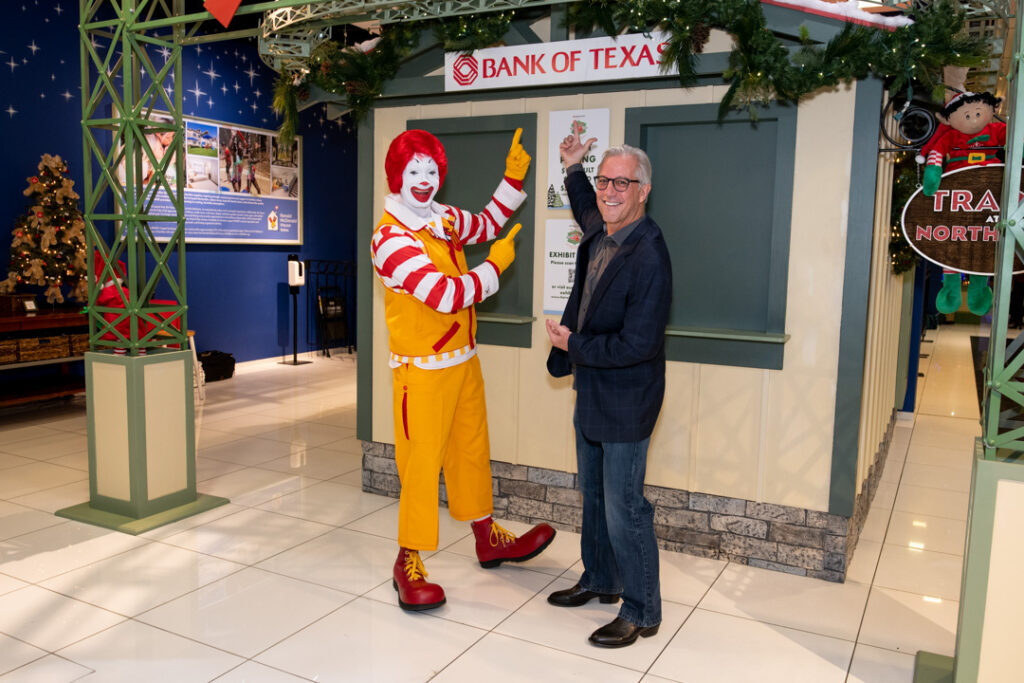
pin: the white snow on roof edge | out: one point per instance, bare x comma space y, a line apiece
845, 11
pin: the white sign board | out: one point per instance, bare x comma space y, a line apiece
629, 56
591, 123
561, 238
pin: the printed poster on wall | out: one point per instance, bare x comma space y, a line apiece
240, 186
591, 123
561, 239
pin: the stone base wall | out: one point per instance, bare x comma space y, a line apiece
778, 537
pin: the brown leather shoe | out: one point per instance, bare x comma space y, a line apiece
415, 593
576, 596
495, 544
620, 633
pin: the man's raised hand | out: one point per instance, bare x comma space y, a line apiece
572, 149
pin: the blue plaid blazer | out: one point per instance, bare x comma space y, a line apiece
619, 351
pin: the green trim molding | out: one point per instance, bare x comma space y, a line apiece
84, 512
856, 292
364, 279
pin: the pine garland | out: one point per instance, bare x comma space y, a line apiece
761, 68
905, 182
48, 245
360, 76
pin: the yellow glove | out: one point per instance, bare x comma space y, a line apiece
503, 251
517, 163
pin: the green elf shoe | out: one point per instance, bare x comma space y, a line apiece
979, 295
949, 298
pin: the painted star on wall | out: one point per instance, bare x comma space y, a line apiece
197, 91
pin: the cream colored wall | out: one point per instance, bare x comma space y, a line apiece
999, 658
885, 309
747, 433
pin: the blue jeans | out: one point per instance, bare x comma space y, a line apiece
618, 547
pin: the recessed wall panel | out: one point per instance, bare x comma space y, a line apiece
166, 447
110, 430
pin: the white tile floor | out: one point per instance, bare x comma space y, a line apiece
291, 580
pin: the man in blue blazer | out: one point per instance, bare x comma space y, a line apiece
612, 339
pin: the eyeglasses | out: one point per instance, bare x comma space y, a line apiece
620, 184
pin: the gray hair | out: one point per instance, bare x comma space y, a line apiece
643, 163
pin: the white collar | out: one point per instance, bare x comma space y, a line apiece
394, 205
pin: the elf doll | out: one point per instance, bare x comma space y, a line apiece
970, 135
439, 410
112, 294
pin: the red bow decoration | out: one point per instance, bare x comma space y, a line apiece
222, 10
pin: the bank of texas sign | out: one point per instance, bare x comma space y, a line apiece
634, 55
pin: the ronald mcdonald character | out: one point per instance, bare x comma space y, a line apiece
439, 410
970, 135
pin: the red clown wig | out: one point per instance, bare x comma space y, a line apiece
407, 145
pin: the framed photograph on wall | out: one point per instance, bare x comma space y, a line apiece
241, 185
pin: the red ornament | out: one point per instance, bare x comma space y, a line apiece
34, 180
39, 214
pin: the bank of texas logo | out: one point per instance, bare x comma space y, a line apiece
465, 70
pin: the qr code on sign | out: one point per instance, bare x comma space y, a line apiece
572, 275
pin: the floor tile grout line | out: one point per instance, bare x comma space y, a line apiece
91, 671
878, 561
693, 609
892, 511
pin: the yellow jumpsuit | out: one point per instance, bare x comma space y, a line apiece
440, 414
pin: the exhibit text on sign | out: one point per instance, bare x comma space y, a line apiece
561, 240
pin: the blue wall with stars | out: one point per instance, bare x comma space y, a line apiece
237, 294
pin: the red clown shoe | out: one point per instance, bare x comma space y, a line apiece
415, 593
495, 545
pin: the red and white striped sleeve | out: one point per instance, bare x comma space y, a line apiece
484, 226
404, 267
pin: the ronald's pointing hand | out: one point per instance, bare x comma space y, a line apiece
517, 163
503, 251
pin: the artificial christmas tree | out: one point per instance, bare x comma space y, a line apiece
48, 248
554, 200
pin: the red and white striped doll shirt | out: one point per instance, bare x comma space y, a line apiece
404, 267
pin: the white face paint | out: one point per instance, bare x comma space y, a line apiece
420, 181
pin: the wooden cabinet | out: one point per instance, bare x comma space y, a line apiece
55, 338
